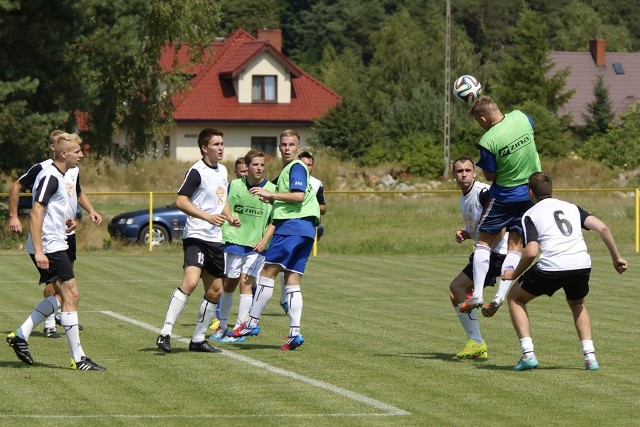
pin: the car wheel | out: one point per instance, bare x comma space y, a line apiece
160, 235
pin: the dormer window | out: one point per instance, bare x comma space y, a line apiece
263, 88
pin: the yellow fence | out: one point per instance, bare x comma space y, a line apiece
151, 194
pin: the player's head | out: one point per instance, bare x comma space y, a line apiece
540, 186
464, 172
67, 149
289, 145
254, 160
306, 158
240, 167
485, 111
211, 144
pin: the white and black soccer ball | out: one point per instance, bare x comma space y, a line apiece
467, 89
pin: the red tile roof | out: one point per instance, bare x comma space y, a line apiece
212, 96
623, 88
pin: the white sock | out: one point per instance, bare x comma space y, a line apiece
526, 344
481, 260
46, 307
50, 321
244, 305
264, 292
176, 305
69, 321
205, 316
470, 324
588, 350
510, 263
226, 301
283, 291
294, 296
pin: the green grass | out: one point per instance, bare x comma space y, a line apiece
380, 333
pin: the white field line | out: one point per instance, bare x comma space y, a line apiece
388, 409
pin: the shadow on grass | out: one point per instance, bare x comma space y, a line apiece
19, 365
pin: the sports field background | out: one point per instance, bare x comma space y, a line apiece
380, 335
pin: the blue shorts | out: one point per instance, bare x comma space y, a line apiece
499, 215
290, 252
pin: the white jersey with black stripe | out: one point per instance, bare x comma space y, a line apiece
472, 209
50, 190
557, 226
206, 187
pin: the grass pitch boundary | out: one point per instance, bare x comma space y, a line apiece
388, 410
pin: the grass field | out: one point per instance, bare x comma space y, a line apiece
380, 335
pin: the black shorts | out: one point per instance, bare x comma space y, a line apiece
71, 251
204, 255
59, 268
495, 268
574, 282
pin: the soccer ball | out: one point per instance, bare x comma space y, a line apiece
467, 89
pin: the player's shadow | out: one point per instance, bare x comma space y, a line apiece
21, 365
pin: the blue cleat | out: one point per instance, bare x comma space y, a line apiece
244, 330
526, 364
591, 365
291, 343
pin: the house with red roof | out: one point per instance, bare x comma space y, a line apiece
620, 72
246, 88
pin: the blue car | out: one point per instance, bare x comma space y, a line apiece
168, 223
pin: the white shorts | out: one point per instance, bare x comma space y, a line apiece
250, 264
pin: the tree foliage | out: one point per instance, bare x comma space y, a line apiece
577, 23
619, 147
102, 58
524, 68
600, 110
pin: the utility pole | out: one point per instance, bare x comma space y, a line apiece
447, 90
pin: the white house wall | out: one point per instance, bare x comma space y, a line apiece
264, 65
237, 139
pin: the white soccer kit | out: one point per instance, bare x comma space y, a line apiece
557, 226
50, 190
471, 209
206, 187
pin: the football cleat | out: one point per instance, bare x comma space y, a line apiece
473, 350
525, 364
20, 347
244, 330
591, 365
86, 364
164, 343
215, 324
471, 303
51, 333
218, 334
291, 343
203, 347
489, 310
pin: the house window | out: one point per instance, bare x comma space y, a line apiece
265, 143
263, 88
618, 68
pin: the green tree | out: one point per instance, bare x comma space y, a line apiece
577, 23
600, 111
250, 15
524, 68
100, 57
620, 147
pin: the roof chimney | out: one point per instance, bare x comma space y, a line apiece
274, 37
597, 48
